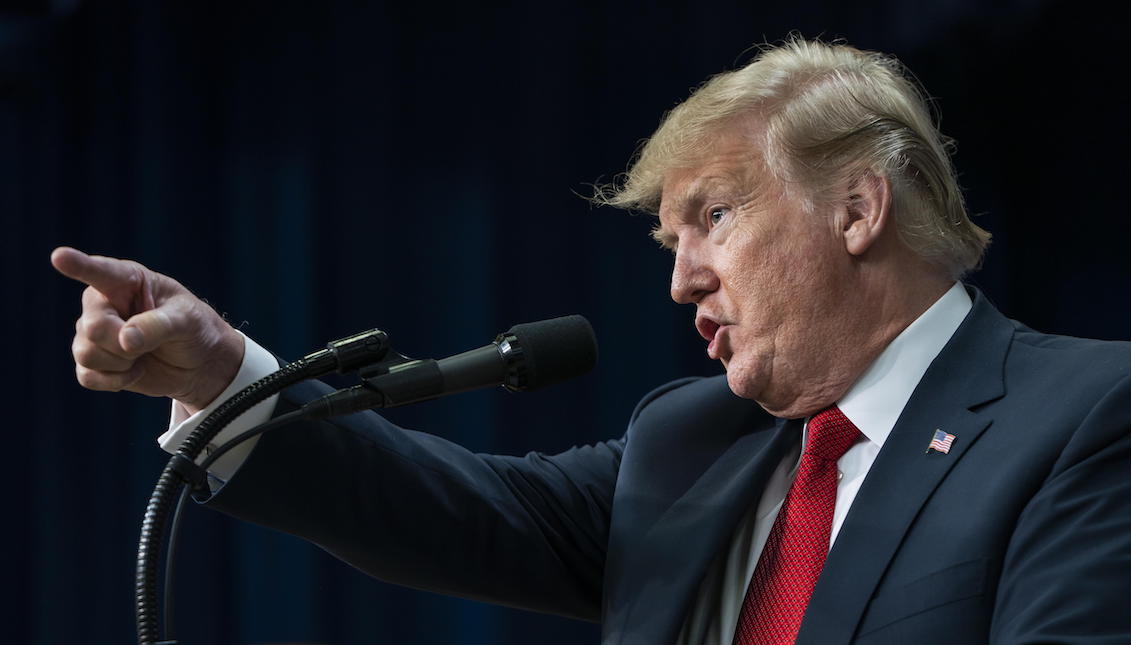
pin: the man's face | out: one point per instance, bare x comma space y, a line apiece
768, 279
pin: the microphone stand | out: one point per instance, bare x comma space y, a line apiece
562, 347
345, 355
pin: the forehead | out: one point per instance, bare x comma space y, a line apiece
731, 167
690, 188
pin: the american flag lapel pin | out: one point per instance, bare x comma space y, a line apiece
941, 442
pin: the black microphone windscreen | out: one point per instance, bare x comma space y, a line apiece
557, 349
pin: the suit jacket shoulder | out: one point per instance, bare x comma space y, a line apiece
986, 543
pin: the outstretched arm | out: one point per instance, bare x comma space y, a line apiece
415, 509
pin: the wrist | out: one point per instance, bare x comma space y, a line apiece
216, 373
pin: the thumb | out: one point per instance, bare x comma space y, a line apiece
149, 330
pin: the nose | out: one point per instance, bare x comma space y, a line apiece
692, 276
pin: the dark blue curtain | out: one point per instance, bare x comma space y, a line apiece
314, 169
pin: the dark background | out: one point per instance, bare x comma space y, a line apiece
315, 169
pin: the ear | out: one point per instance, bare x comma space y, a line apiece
868, 212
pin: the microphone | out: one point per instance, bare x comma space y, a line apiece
525, 357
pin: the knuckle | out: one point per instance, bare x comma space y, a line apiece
89, 378
135, 278
163, 321
99, 328
83, 351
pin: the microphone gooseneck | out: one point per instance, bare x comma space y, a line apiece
525, 357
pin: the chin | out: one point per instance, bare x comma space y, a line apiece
748, 385
745, 384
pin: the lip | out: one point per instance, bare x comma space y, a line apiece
711, 329
707, 326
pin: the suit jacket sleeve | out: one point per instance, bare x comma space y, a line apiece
1065, 575
417, 510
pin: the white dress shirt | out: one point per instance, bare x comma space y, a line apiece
873, 404
257, 363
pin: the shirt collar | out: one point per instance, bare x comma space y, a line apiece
878, 397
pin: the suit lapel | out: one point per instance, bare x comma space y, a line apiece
670, 561
967, 374
727, 484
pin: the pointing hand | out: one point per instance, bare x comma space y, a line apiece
144, 332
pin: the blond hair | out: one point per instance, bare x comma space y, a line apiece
830, 112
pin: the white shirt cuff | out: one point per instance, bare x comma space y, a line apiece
257, 363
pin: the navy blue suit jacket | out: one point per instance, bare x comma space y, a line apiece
1021, 534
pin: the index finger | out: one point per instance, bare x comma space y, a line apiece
108, 275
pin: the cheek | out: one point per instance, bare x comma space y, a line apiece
777, 280
767, 273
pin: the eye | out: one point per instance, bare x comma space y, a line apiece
715, 215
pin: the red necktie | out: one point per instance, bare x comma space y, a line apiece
795, 551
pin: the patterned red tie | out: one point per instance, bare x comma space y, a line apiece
795, 551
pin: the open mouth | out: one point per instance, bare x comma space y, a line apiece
707, 328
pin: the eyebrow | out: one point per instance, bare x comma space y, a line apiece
664, 237
696, 195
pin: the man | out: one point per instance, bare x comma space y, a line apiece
928, 471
